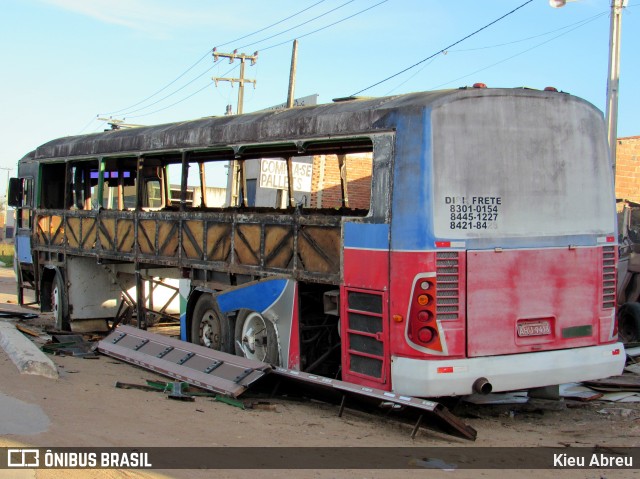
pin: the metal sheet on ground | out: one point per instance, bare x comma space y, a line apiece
199, 366
427, 412
232, 375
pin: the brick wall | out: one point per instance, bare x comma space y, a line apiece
628, 168
325, 182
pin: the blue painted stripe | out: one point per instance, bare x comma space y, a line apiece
255, 296
367, 236
183, 327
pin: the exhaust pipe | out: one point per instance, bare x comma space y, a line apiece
482, 386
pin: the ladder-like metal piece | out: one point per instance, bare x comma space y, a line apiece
197, 365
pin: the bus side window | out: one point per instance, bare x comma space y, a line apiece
119, 188
82, 185
153, 193
24, 214
53, 186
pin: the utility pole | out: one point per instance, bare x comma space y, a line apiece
292, 74
242, 80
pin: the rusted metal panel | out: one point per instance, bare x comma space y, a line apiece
199, 366
326, 120
436, 413
305, 247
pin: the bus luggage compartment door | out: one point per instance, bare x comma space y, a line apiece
533, 300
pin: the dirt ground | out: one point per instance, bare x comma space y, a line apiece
83, 408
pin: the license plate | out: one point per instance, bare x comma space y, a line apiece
534, 328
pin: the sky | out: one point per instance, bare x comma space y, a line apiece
67, 63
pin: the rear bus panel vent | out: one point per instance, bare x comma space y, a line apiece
608, 277
448, 285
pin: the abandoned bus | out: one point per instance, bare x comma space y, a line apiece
429, 244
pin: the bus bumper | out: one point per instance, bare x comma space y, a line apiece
455, 377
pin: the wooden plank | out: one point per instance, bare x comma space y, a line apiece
319, 248
247, 244
56, 228
278, 246
73, 232
168, 238
126, 235
89, 233
193, 239
218, 241
106, 234
147, 236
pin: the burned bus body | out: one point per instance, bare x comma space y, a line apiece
410, 243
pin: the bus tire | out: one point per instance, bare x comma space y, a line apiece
208, 328
59, 303
256, 337
629, 323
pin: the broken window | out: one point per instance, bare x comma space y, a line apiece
119, 189
325, 175
83, 185
52, 186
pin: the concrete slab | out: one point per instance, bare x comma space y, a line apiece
27, 357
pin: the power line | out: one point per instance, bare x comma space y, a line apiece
327, 26
170, 94
272, 25
163, 88
205, 56
445, 49
583, 21
183, 99
128, 111
296, 26
517, 54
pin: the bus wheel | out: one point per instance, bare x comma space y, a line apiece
59, 303
256, 337
208, 328
629, 323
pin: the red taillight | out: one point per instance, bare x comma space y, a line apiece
426, 335
423, 328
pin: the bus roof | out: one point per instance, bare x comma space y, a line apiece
341, 118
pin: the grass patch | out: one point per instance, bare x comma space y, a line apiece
7, 260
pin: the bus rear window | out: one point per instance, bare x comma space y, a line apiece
510, 167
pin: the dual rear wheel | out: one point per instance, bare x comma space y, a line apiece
253, 335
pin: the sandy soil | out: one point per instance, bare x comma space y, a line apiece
83, 408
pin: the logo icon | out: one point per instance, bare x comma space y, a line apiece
23, 458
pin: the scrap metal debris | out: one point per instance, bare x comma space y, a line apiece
231, 375
4, 313
70, 345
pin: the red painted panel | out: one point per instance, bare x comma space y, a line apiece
368, 269
405, 266
294, 340
559, 286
